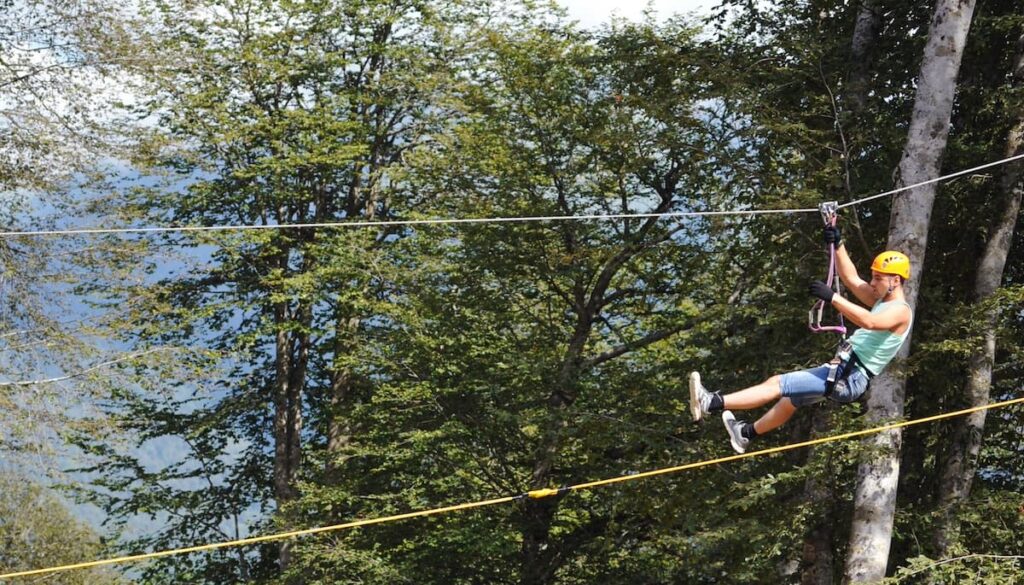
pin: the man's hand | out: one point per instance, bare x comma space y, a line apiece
821, 290
832, 235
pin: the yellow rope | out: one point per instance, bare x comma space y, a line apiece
792, 446
535, 494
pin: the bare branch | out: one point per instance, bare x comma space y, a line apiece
85, 371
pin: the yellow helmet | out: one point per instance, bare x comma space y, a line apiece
892, 262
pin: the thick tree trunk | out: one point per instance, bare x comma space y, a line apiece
960, 464
878, 472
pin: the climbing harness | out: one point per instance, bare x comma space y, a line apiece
841, 366
829, 214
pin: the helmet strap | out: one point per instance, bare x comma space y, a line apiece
892, 286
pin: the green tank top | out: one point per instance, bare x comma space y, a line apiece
877, 348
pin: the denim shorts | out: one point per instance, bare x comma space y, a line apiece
808, 386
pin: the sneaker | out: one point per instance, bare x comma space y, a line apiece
735, 430
700, 398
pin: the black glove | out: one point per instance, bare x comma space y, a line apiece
832, 235
821, 290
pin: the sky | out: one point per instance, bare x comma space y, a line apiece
591, 13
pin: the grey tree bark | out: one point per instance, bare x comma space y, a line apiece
865, 36
961, 462
878, 472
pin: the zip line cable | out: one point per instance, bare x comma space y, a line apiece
401, 222
535, 494
930, 181
485, 220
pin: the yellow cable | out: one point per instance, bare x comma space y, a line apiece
535, 494
256, 539
829, 439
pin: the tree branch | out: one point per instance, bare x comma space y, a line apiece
631, 346
85, 371
611, 268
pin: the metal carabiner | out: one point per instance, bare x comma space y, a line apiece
829, 212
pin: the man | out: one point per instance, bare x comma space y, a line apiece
883, 329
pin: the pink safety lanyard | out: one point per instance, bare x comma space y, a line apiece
829, 214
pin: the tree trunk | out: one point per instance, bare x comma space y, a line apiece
878, 472
339, 431
536, 556
291, 357
818, 560
862, 50
961, 462
283, 490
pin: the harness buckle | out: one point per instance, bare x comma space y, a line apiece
839, 366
